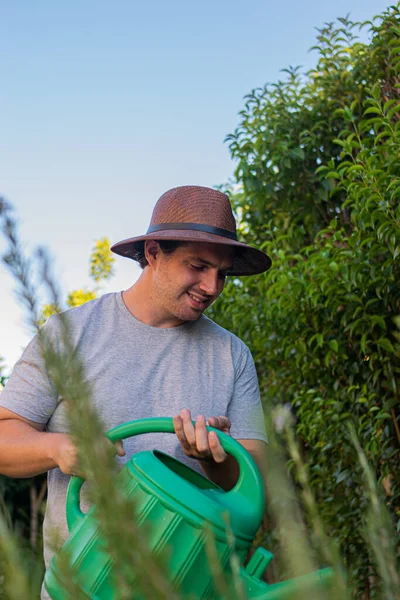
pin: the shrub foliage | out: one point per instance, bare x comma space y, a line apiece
317, 185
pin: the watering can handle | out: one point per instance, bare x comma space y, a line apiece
248, 487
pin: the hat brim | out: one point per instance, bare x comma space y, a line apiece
247, 261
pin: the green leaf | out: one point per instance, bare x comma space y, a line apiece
373, 110
384, 416
363, 342
377, 320
343, 475
327, 359
334, 267
388, 104
386, 344
354, 298
388, 404
393, 111
381, 136
356, 169
396, 321
334, 345
333, 224
339, 142
297, 153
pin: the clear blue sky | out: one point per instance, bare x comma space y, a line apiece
105, 105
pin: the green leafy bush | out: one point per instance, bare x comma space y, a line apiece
317, 184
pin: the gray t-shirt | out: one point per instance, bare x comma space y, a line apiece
137, 371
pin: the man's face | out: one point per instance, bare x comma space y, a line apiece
189, 279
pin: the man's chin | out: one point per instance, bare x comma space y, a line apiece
194, 315
190, 315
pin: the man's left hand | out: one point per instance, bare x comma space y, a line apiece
196, 441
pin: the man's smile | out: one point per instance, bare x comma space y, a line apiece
198, 301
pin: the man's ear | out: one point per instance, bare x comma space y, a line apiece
152, 251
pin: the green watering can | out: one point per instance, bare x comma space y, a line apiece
182, 509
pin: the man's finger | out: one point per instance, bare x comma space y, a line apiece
222, 423
180, 434
188, 428
217, 451
119, 448
201, 435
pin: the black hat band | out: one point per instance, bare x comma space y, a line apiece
194, 227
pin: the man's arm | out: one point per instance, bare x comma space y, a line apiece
258, 451
226, 473
27, 450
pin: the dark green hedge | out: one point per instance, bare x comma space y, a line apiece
317, 185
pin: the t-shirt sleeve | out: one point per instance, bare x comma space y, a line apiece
245, 409
28, 392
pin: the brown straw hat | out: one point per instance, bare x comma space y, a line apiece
198, 214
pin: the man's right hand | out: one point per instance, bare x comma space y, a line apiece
65, 453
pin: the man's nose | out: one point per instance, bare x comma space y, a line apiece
209, 283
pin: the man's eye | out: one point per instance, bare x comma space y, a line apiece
197, 267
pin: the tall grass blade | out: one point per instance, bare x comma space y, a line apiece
379, 529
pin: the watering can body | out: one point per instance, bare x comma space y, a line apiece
178, 510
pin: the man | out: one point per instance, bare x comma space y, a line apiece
147, 352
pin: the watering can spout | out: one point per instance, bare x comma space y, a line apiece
312, 585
